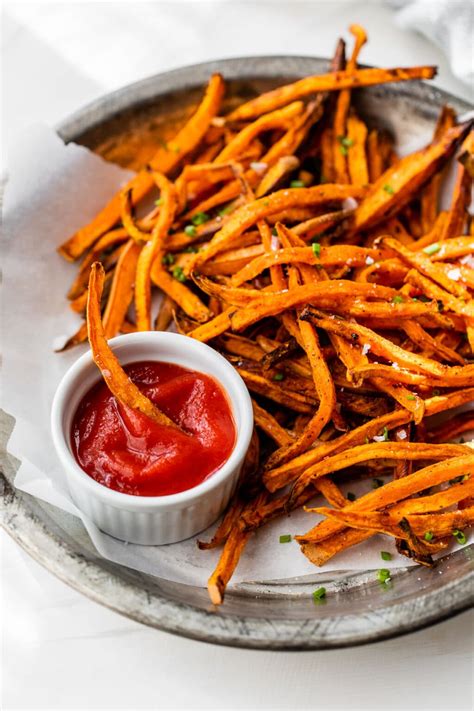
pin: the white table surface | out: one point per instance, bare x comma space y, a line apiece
62, 651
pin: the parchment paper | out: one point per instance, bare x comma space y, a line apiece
53, 190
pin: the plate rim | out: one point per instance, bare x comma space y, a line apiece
94, 580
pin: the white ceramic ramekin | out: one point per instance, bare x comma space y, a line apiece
152, 520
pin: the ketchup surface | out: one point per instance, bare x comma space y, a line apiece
126, 451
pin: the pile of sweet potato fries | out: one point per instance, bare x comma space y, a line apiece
290, 236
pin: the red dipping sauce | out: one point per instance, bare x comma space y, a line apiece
124, 450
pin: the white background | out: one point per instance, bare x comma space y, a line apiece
61, 651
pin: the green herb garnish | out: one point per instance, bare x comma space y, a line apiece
411, 397
168, 258
383, 575
158, 202
388, 189
432, 248
179, 274
191, 249
459, 536
278, 377
224, 210
316, 247
377, 483
319, 594
397, 299
200, 218
285, 538
385, 555
190, 230
345, 143
297, 184
428, 536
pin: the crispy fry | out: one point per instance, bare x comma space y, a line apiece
429, 198
165, 314
340, 128
392, 492
396, 186
357, 156
270, 425
457, 215
110, 239
228, 561
164, 160
283, 475
121, 290
376, 450
249, 214
152, 249
326, 82
117, 380
424, 265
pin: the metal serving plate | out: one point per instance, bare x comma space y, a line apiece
262, 616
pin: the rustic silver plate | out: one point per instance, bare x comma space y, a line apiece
264, 616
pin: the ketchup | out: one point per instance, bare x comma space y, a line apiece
126, 451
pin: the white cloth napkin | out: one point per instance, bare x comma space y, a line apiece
449, 24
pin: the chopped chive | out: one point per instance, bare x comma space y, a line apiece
460, 536
343, 150
385, 434
179, 274
397, 299
457, 480
351, 496
278, 377
200, 218
319, 594
191, 249
158, 202
274, 232
383, 575
411, 397
388, 189
385, 555
432, 248
428, 536
296, 184
366, 440
377, 483
316, 247
285, 538
168, 258
190, 230
345, 141
224, 210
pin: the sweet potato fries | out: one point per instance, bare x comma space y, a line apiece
290, 236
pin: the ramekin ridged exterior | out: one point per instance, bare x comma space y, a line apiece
152, 520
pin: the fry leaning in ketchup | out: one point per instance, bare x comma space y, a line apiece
116, 378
